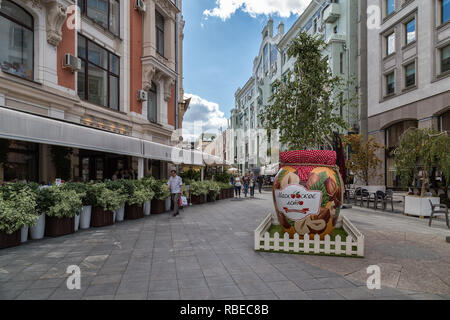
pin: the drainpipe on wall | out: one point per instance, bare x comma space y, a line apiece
177, 125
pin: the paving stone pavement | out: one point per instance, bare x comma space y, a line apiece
207, 253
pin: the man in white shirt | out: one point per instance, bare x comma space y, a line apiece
175, 184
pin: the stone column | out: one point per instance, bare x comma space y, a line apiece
140, 168
149, 41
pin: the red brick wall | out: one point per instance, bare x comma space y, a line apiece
67, 45
135, 58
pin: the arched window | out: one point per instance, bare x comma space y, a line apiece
16, 40
152, 104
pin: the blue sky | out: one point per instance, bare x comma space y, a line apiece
219, 48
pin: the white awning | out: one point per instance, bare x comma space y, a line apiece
18, 125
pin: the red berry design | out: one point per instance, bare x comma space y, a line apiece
298, 196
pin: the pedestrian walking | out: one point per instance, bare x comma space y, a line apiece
175, 184
260, 181
246, 181
237, 185
252, 184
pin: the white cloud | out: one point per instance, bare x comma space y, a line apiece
284, 8
207, 112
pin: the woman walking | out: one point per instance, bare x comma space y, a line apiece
237, 185
246, 181
252, 184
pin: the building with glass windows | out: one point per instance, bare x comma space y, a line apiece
105, 85
408, 72
249, 142
336, 22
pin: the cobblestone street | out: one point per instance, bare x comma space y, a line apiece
207, 253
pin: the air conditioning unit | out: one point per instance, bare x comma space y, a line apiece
72, 62
140, 5
142, 95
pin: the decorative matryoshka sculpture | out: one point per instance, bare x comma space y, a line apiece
308, 192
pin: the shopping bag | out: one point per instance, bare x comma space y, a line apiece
183, 201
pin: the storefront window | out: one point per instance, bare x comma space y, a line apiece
22, 162
16, 40
393, 135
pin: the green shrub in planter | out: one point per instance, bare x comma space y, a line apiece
17, 208
107, 199
160, 189
118, 187
213, 188
59, 202
199, 188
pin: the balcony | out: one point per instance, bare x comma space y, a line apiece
335, 37
331, 13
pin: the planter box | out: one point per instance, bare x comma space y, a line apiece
134, 212
9, 240
120, 214
210, 197
158, 206
352, 246
85, 217
101, 218
38, 230
197, 199
420, 207
56, 227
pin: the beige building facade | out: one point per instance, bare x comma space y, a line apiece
408, 72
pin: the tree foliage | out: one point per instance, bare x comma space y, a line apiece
305, 104
363, 161
422, 149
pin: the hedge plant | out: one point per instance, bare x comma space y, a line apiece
59, 202
17, 208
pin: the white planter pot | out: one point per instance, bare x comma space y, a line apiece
147, 208
120, 214
85, 217
114, 216
417, 206
168, 204
77, 222
37, 232
24, 234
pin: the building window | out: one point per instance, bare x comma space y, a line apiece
445, 59
390, 6
411, 31
159, 33
103, 12
410, 75
16, 42
390, 44
99, 77
152, 106
341, 62
445, 11
390, 83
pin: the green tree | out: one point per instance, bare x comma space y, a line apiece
363, 161
305, 104
422, 149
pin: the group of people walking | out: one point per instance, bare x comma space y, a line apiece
247, 183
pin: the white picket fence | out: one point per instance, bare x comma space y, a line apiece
352, 246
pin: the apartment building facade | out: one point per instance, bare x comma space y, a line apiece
408, 68
249, 141
103, 78
336, 22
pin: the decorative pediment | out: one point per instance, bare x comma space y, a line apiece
168, 8
56, 15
